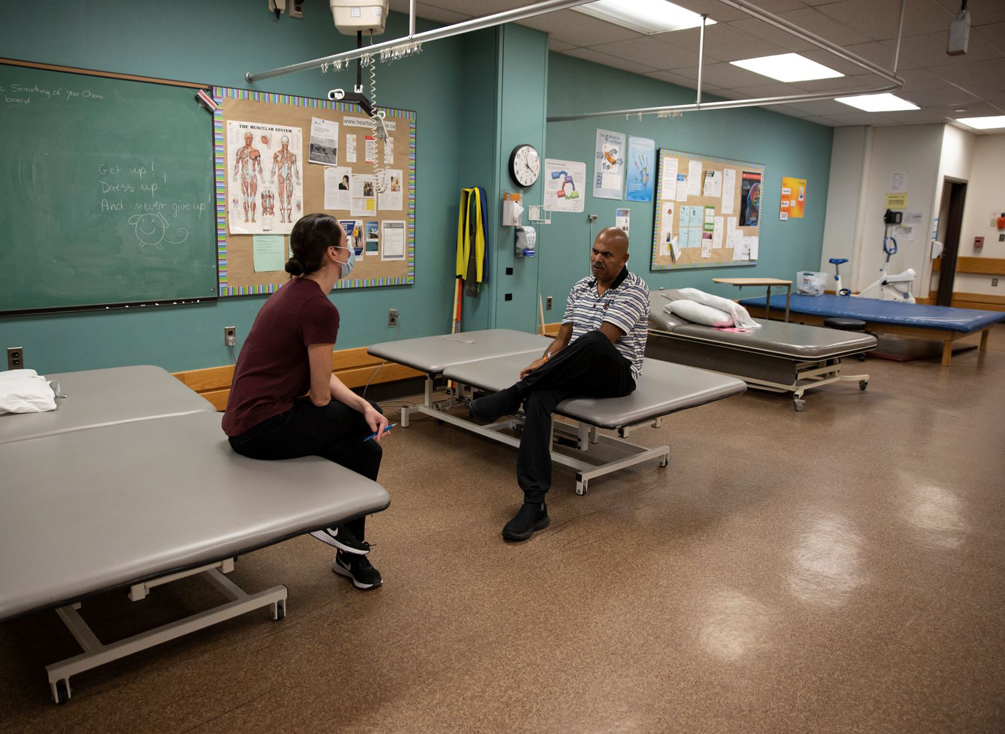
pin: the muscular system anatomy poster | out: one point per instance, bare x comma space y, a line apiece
264, 182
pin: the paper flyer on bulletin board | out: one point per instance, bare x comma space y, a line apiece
564, 185
793, 199
641, 169
609, 165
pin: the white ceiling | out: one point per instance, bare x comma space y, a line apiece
941, 85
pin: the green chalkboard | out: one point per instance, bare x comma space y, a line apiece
106, 192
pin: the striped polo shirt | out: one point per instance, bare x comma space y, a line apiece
625, 304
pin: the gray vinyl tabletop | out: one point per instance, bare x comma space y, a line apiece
663, 388
102, 508
105, 397
433, 354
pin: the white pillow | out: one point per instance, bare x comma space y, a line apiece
24, 391
699, 313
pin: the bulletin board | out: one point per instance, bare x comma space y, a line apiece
708, 212
247, 263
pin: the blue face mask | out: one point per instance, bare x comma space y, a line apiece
349, 264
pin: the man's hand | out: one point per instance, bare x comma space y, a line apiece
536, 364
375, 420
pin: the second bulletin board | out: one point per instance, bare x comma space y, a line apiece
269, 117
708, 212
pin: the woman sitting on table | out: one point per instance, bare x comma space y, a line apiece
288, 353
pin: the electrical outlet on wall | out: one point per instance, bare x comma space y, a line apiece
547, 306
15, 358
392, 317
230, 336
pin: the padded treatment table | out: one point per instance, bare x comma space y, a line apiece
106, 397
433, 354
778, 357
141, 504
662, 389
941, 323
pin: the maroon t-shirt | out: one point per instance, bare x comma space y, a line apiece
273, 369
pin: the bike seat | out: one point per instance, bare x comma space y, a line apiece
838, 260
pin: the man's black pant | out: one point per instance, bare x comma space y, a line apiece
589, 367
335, 432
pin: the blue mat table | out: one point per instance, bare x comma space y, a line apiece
941, 323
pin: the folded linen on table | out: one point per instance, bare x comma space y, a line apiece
25, 391
736, 315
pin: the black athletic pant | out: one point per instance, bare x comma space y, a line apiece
335, 432
589, 367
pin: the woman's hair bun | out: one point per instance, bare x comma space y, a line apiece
293, 266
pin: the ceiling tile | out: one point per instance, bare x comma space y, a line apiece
555, 45
823, 121
974, 72
930, 49
938, 97
873, 51
994, 33
825, 108
724, 75
780, 6
655, 54
843, 83
579, 29
672, 78
724, 42
917, 117
430, 12
813, 20
976, 109
614, 61
859, 118
775, 35
480, 8
878, 20
921, 79
992, 92
982, 12
778, 89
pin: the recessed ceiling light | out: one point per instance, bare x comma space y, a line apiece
984, 123
959, 110
878, 103
644, 16
787, 68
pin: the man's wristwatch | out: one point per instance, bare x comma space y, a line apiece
547, 356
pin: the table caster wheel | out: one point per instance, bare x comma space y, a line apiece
863, 384
861, 358
581, 487
280, 613
664, 461
798, 404
62, 694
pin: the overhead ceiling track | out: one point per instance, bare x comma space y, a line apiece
895, 82
467, 26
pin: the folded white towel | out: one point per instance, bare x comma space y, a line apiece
25, 391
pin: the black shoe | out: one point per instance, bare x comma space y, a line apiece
531, 517
358, 570
342, 538
490, 408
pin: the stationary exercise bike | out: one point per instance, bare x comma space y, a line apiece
887, 287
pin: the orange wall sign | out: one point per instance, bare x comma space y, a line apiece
793, 198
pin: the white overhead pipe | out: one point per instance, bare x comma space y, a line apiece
475, 24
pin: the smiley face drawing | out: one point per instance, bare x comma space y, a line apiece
151, 229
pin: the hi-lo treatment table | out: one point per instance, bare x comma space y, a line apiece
144, 500
492, 359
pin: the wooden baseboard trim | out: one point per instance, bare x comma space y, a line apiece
354, 367
979, 301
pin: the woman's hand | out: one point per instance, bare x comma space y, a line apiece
376, 421
536, 364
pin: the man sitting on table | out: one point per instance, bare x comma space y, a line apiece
597, 353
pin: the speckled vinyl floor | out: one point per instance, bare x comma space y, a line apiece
836, 570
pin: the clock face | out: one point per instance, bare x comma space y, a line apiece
525, 165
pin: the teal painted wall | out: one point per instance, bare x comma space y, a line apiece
785, 145
216, 43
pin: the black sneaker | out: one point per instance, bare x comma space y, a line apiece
492, 407
342, 538
358, 570
530, 517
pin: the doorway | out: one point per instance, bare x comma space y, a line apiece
953, 198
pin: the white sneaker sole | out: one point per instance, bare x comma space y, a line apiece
329, 539
342, 571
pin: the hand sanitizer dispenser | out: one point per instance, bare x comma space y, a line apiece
526, 239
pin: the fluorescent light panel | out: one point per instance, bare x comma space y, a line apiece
983, 123
878, 103
644, 16
787, 68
